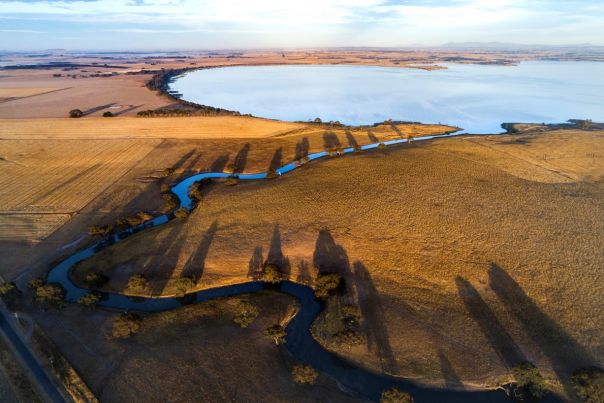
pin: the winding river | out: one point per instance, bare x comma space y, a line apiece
299, 341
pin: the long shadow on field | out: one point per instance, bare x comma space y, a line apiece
329, 257
302, 148
374, 318
241, 158
131, 108
451, 378
196, 262
161, 266
275, 253
219, 163
276, 161
396, 130
372, 138
352, 142
254, 270
507, 350
97, 108
331, 140
563, 352
189, 166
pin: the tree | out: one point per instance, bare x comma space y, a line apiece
182, 213
136, 283
395, 395
96, 280
195, 192
245, 314
589, 384
271, 273
51, 293
304, 374
230, 168
271, 173
9, 293
347, 337
529, 380
108, 114
76, 113
585, 124
276, 333
89, 300
184, 284
100, 230
351, 315
126, 325
326, 284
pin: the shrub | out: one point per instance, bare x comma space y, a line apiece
326, 284
89, 300
35, 283
168, 172
231, 181
589, 384
182, 213
96, 280
304, 374
351, 315
126, 325
317, 120
52, 293
9, 293
529, 380
271, 273
394, 395
245, 314
76, 113
136, 283
271, 173
195, 192
100, 230
107, 114
381, 146
170, 201
230, 168
184, 284
276, 333
347, 337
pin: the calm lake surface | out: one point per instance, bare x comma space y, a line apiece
476, 98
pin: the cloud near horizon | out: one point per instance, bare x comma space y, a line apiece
215, 24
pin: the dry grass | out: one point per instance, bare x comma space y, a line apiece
19, 92
186, 353
132, 128
421, 228
29, 227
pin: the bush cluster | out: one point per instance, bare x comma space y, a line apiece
327, 284
589, 384
395, 395
271, 273
136, 283
126, 325
304, 374
245, 314
276, 333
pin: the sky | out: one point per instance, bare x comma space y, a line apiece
239, 24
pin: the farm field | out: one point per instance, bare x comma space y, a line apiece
434, 241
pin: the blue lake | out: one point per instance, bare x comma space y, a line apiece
477, 98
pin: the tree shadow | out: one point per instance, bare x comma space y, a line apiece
276, 161
196, 262
331, 140
374, 319
396, 130
352, 142
131, 108
241, 158
302, 148
219, 163
275, 253
97, 108
254, 270
191, 164
329, 257
451, 378
500, 340
372, 138
563, 352
61, 187
304, 276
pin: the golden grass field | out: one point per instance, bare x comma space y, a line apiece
468, 250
